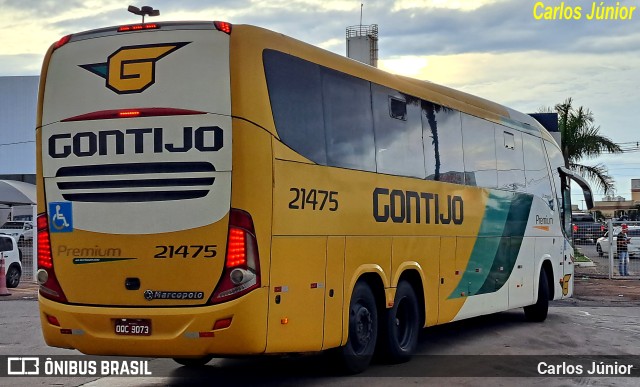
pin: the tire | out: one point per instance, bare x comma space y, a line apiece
401, 326
13, 276
356, 355
193, 361
538, 311
599, 250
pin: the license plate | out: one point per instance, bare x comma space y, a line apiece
133, 327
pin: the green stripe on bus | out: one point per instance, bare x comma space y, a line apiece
497, 246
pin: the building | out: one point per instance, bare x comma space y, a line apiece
619, 207
18, 105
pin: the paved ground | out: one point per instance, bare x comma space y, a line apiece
600, 320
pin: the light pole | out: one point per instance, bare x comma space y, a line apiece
143, 11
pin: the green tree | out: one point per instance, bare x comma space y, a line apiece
581, 139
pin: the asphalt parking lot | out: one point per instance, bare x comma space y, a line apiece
590, 327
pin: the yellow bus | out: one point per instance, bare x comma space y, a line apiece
208, 189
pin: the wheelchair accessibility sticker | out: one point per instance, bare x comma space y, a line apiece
60, 217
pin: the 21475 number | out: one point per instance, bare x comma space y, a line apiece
184, 251
314, 199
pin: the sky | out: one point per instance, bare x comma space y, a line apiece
519, 53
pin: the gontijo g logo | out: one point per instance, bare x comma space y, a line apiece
132, 69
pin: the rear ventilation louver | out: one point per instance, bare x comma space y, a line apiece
137, 182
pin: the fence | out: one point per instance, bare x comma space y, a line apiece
26, 259
608, 247
594, 242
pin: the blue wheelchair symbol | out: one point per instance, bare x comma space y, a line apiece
61, 217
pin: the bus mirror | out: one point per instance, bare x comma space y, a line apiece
586, 189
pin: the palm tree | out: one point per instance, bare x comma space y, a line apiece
580, 139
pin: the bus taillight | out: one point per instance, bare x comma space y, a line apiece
242, 270
63, 40
223, 26
49, 285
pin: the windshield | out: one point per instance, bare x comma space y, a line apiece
13, 225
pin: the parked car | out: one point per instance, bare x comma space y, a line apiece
585, 227
12, 264
602, 244
20, 230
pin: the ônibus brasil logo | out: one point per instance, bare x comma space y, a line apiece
132, 69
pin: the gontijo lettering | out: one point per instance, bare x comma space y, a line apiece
416, 207
104, 142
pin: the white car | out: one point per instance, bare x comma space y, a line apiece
20, 230
602, 244
12, 265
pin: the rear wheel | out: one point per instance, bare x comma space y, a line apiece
599, 250
356, 355
193, 361
402, 325
538, 311
13, 276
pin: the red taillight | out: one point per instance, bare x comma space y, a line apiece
223, 26
129, 113
45, 260
575, 228
242, 269
63, 40
139, 27
236, 249
49, 285
132, 113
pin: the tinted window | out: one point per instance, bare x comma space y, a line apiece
5, 244
536, 171
348, 121
398, 133
556, 160
478, 141
295, 91
582, 218
509, 159
442, 136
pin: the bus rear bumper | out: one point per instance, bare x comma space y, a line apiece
175, 332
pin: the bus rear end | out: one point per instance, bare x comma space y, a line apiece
139, 250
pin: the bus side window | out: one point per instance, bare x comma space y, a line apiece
442, 141
563, 192
348, 121
479, 146
536, 171
509, 159
398, 133
295, 91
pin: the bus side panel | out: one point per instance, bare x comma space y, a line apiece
296, 303
449, 307
522, 278
334, 295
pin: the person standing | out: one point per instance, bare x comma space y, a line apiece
623, 251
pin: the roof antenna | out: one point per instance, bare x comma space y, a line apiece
143, 11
